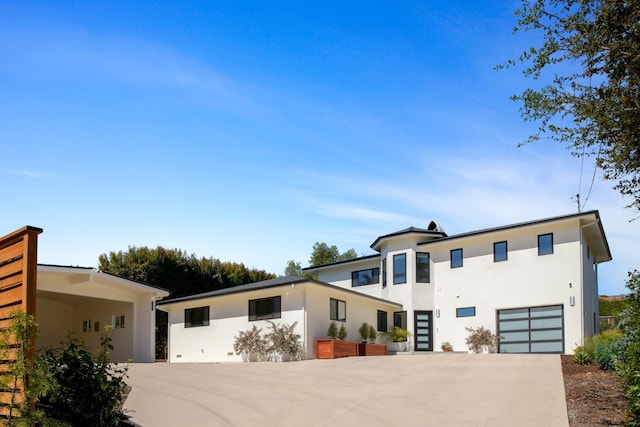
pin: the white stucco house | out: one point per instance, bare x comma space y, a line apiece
82, 300
202, 327
534, 283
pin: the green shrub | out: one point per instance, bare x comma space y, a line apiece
91, 388
608, 348
364, 331
332, 332
581, 357
373, 334
342, 333
630, 365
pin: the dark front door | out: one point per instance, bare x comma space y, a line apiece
423, 330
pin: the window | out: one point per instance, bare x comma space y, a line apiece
465, 312
384, 273
399, 269
96, 327
545, 244
86, 326
456, 258
382, 321
198, 316
365, 277
265, 308
337, 310
422, 267
400, 319
118, 322
499, 251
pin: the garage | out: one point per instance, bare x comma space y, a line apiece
531, 329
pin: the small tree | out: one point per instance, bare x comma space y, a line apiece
332, 332
373, 334
250, 342
342, 333
24, 367
364, 331
283, 339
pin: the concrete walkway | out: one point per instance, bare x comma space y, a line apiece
415, 390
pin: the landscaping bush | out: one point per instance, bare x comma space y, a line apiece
607, 348
582, 357
630, 364
283, 339
342, 333
90, 388
332, 332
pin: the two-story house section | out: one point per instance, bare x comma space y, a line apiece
534, 283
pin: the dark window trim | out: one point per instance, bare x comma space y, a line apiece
276, 308
337, 302
461, 258
382, 321
418, 276
384, 272
402, 315
540, 252
461, 313
375, 277
396, 279
506, 251
188, 315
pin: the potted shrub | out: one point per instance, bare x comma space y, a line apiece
481, 340
397, 338
250, 344
446, 347
285, 343
368, 346
330, 348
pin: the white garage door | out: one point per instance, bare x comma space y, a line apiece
532, 330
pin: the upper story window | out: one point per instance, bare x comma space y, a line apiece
399, 269
422, 267
198, 316
384, 272
500, 251
456, 258
365, 277
545, 244
337, 310
265, 308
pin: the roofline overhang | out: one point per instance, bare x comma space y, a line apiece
349, 261
93, 272
295, 281
438, 235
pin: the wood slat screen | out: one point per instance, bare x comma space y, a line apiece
18, 272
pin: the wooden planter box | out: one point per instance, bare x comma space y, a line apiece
330, 349
370, 349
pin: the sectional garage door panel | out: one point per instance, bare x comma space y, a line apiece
532, 329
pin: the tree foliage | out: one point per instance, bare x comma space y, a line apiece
631, 361
178, 272
293, 268
592, 103
322, 254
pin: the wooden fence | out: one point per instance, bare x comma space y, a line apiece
18, 272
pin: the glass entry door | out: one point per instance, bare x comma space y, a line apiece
423, 330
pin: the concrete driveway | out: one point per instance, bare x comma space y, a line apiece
417, 390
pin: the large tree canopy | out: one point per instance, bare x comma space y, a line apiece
178, 272
592, 102
325, 254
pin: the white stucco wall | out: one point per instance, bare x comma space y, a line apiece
54, 319
229, 315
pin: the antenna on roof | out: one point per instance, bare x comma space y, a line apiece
578, 201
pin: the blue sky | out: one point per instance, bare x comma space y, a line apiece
248, 131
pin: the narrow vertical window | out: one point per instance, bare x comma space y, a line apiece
422, 267
545, 244
456, 258
399, 269
382, 321
384, 272
400, 319
499, 251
